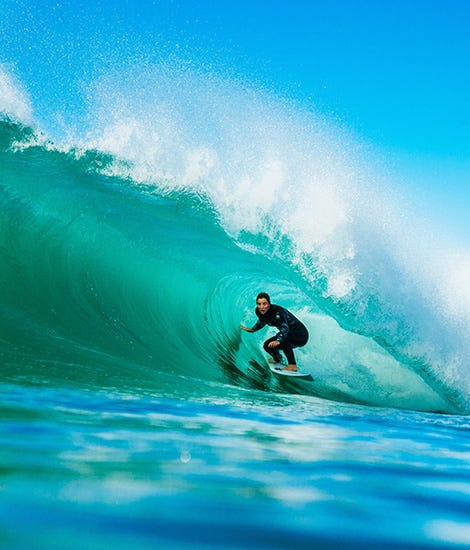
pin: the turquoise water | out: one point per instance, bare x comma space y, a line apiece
133, 410
226, 468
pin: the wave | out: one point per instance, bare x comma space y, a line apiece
138, 251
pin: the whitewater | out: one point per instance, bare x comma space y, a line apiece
134, 411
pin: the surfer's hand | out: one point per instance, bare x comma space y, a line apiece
247, 329
273, 344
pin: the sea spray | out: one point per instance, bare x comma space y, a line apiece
14, 100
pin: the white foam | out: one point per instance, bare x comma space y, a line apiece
267, 166
252, 155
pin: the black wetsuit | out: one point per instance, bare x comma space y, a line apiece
292, 333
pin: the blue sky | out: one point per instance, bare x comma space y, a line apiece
395, 72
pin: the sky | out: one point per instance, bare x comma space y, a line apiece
397, 72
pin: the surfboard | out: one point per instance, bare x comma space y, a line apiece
276, 369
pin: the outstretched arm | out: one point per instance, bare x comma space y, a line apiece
258, 325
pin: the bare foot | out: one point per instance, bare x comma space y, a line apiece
292, 368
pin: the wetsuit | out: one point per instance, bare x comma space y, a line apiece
292, 333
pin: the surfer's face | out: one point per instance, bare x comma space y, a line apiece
263, 305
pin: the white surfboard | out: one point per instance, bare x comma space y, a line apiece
276, 369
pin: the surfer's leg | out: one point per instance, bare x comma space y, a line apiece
296, 339
273, 352
289, 353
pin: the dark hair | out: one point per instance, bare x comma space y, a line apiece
263, 295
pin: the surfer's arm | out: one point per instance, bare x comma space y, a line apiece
257, 326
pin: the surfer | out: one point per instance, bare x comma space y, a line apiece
292, 333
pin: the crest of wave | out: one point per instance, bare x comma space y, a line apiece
265, 164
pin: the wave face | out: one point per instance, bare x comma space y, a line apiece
132, 256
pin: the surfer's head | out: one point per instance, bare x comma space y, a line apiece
263, 302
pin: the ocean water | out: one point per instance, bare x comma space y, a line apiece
134, 412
